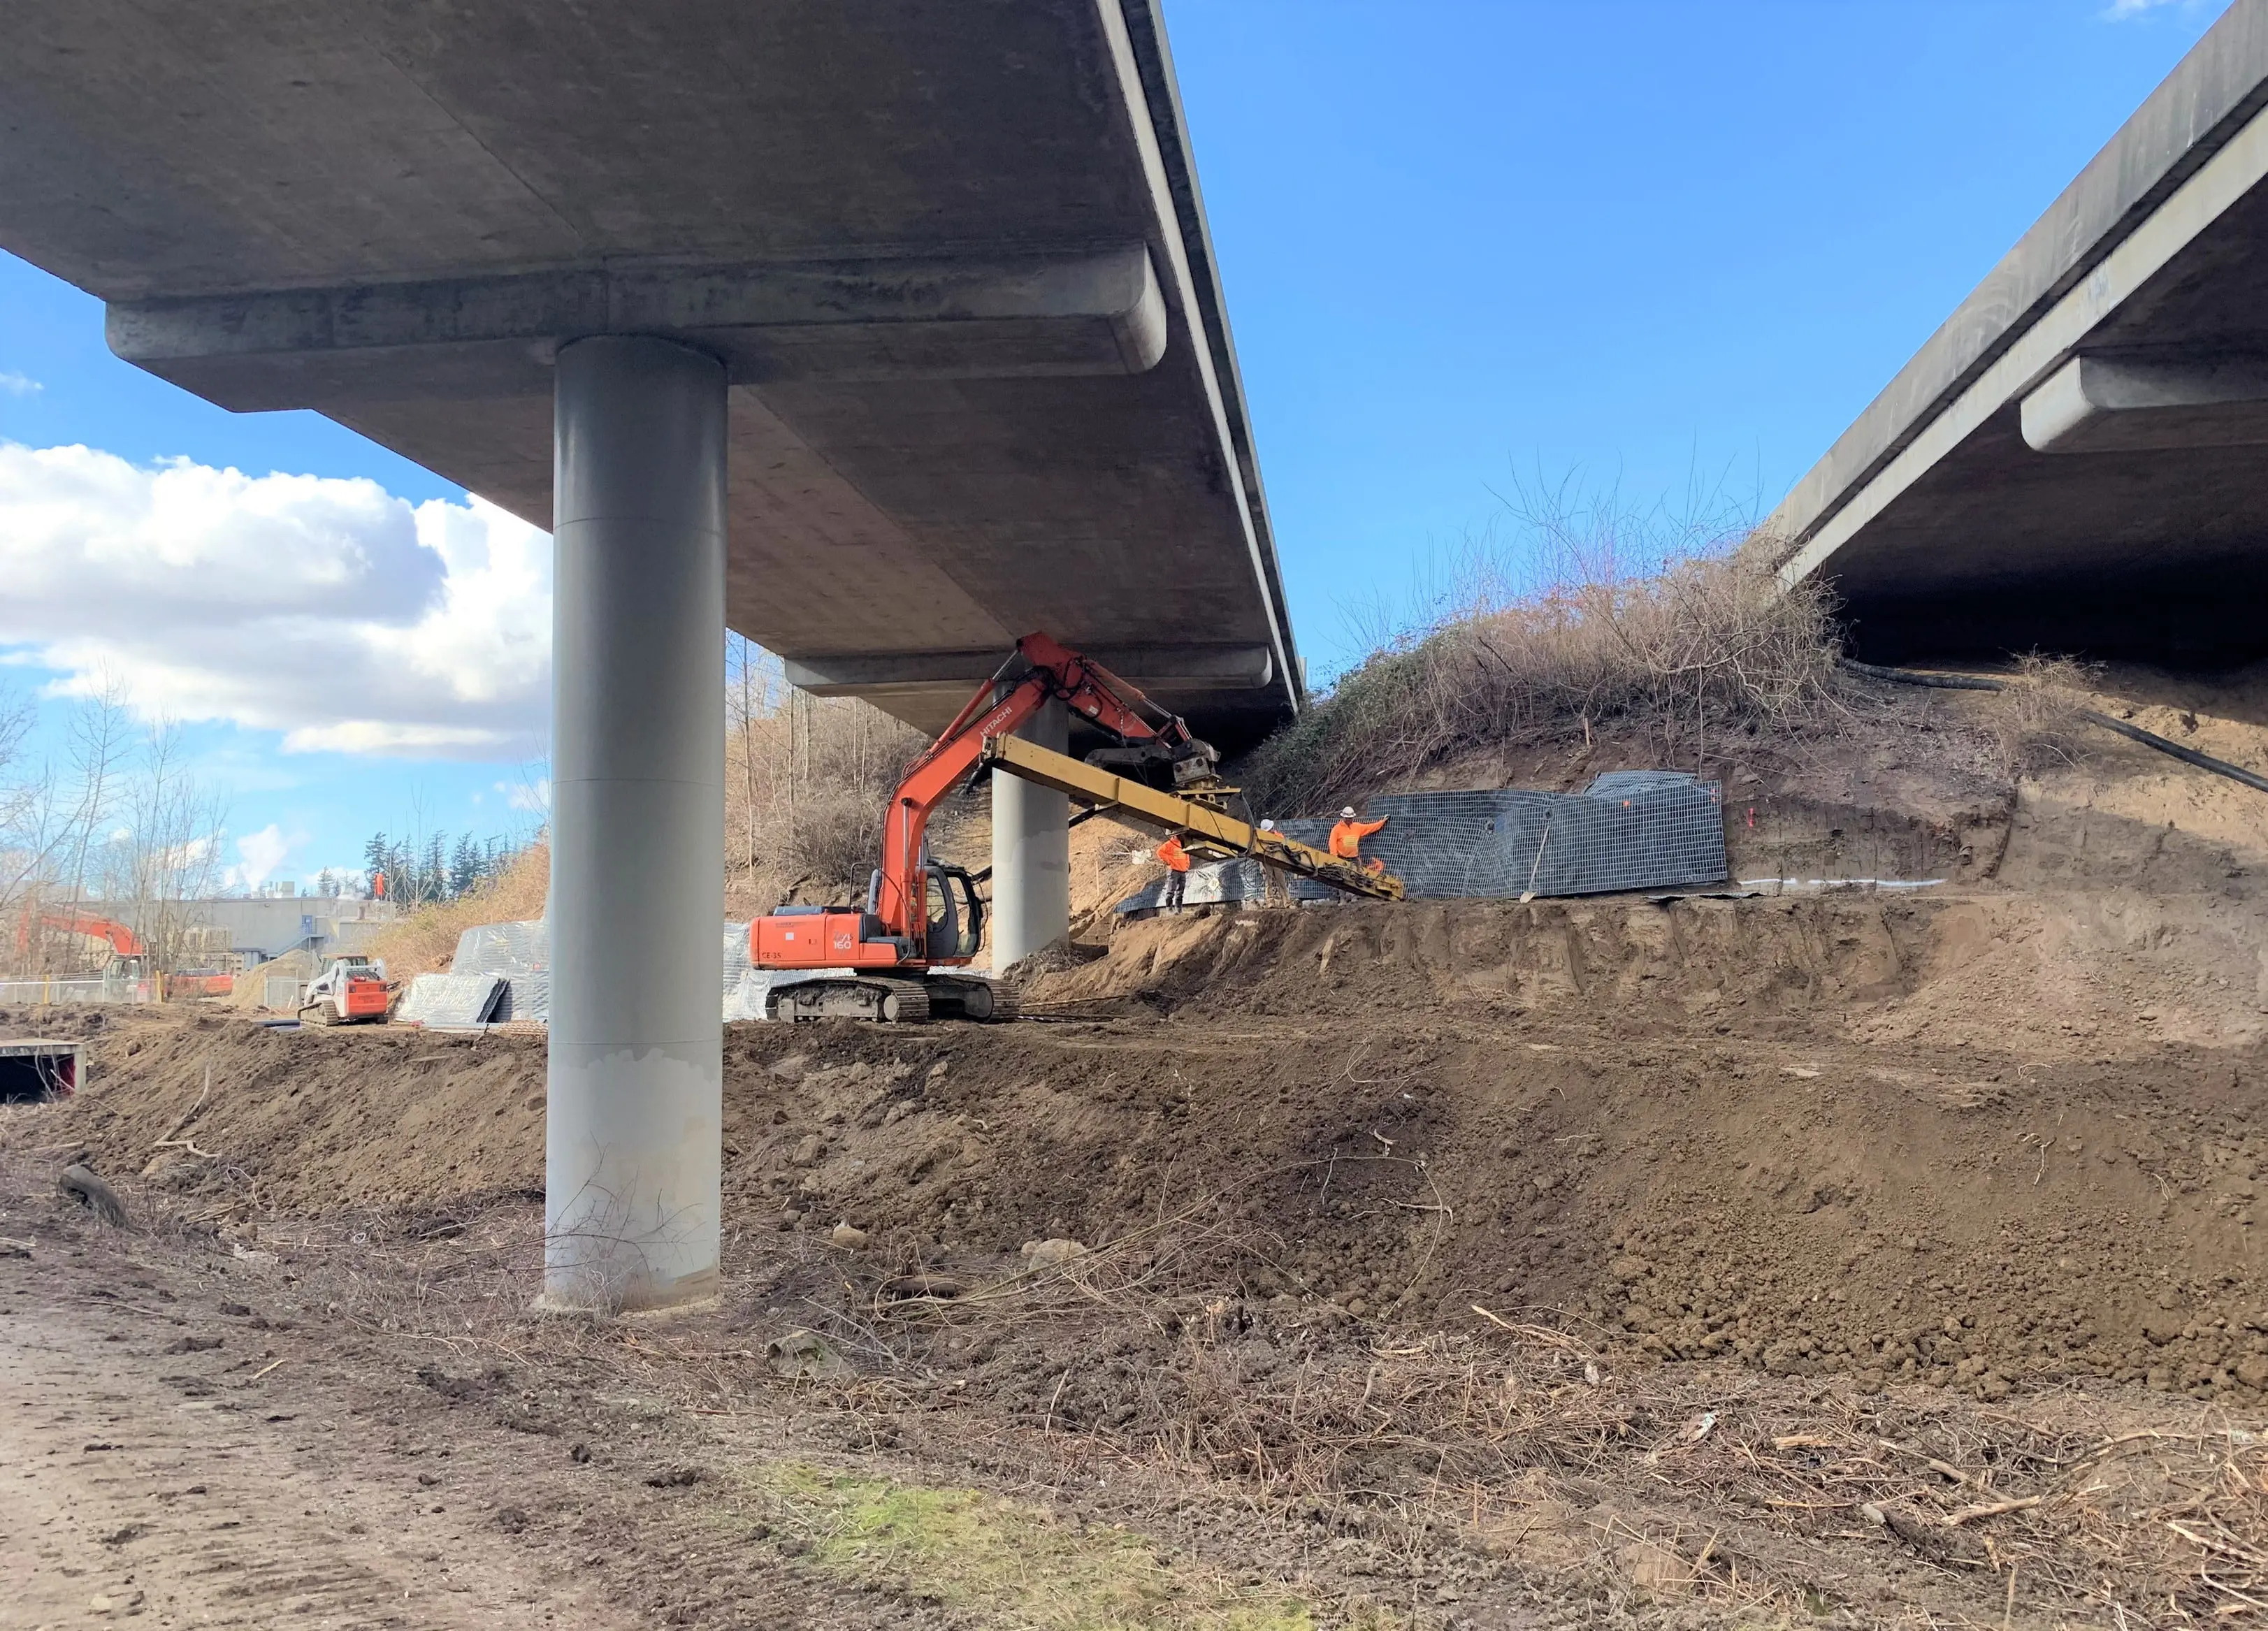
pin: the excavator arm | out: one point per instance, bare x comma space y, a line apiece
1051, 672
982, 735
123, 941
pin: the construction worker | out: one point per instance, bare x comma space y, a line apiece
1177, 861
1347, 835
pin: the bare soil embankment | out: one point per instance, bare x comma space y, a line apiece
1798, 1133
1967, 1176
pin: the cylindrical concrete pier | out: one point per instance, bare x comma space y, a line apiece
634, 1132
1031, 852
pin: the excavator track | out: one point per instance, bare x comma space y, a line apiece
903, 1001
969, 996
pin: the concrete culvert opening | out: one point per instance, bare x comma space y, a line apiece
32, 1072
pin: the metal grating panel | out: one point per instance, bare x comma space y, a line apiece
736, 958
1629, 829
521, 954
451, 1001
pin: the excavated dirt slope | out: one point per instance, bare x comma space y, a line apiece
1990, 1135
1724, 1128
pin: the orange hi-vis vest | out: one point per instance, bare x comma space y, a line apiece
1347, 836
1173, 855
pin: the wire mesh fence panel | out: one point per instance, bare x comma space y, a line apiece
520, 953
451, 1001
40, 993
736, 958
1635, 829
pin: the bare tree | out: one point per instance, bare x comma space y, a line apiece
807, 780
51, 817
166, 855
99, 740
749, 696
119, 830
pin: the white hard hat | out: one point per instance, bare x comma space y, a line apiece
1347, 813
1267, 824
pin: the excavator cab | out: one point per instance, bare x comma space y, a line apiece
955, 915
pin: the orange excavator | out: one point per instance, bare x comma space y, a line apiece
887, 959
123, 946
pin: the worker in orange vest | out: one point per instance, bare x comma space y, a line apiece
1347, 836
1177, 872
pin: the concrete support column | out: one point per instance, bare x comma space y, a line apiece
634, 1132
1031, 852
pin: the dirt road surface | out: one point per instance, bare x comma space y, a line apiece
162, 1463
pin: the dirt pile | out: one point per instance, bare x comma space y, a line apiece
426, 940
1989, 1134
1884, 1212
249, 990
1043, 1449
1716, 1130
299, 1121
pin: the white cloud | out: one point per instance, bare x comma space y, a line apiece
535, 797
182, 857
14, 384
263, 853
328, 610
2119, 10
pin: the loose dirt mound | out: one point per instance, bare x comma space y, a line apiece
1955, 967
1989, 1135
1713, 1130
302, 1120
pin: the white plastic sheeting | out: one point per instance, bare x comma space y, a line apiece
519, 954
451, 1001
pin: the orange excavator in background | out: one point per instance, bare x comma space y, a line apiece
885, 959
124, 946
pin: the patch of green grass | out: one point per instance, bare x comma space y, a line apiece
1007, 1560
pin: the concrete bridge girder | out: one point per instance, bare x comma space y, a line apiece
925, 293
2067, 463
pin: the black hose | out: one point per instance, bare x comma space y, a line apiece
2133, 733
2187, 755
1918, 677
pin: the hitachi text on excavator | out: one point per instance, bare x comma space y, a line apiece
889, 959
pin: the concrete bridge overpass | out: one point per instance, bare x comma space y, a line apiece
2077, 459
884, 333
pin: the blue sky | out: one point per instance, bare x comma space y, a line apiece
1659, 249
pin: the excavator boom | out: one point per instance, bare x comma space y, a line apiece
122, 942
1212, 829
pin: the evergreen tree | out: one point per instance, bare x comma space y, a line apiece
465, 867
433, 873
